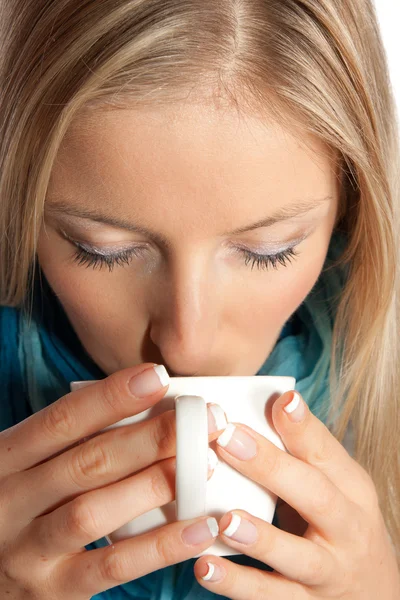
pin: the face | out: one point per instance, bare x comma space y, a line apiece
169, 269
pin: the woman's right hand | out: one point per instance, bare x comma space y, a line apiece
58, 494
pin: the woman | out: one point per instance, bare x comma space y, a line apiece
211, 188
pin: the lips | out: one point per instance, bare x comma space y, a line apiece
196, 374
172, 374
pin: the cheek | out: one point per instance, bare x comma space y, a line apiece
94, 307
271, 304
105, 320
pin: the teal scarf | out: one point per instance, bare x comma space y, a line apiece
40, 358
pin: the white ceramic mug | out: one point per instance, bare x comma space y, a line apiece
245, 399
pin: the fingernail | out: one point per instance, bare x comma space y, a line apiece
213, 573
149, 381
295, 409
200, 532
216, 418
240, 529
237, 442
212, 459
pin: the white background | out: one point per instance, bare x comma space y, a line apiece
388, 12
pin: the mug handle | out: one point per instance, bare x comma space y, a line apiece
191, 457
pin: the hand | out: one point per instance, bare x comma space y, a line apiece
345, 552
58, 494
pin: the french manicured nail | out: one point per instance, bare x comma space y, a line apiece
149, 381
240, 529
238, 442
216, 418
295, 408
213, 572
200, 532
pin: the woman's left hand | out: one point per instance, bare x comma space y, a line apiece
345, 552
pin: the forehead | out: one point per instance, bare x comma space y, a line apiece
196, 153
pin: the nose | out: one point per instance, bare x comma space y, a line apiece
185, 345
184, 320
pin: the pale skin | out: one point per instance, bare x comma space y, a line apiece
192, 175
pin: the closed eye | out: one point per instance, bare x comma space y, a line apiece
94, 258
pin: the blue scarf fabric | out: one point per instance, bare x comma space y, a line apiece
39, 358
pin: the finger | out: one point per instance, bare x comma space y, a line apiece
304, 487
95, 571
311, 441
242, 582
295, 557
79, 414
102, 460
101, 511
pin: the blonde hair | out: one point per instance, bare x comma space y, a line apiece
319, 64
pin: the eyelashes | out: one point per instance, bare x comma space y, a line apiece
264, 261
94, 259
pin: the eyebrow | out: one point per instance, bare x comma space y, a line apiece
62, 207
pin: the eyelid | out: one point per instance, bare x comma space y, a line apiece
277, 249
291, 243
105, 251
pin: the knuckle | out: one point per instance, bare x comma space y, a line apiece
324, 500
90, 462
113, 567
321, 452
159, 490
316, 568
163, 435
165, 548
8, 569
58, 420
14, 572
114, 395
260, 588
362, 528
268, 542
356, 527
81, 519
273, 463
